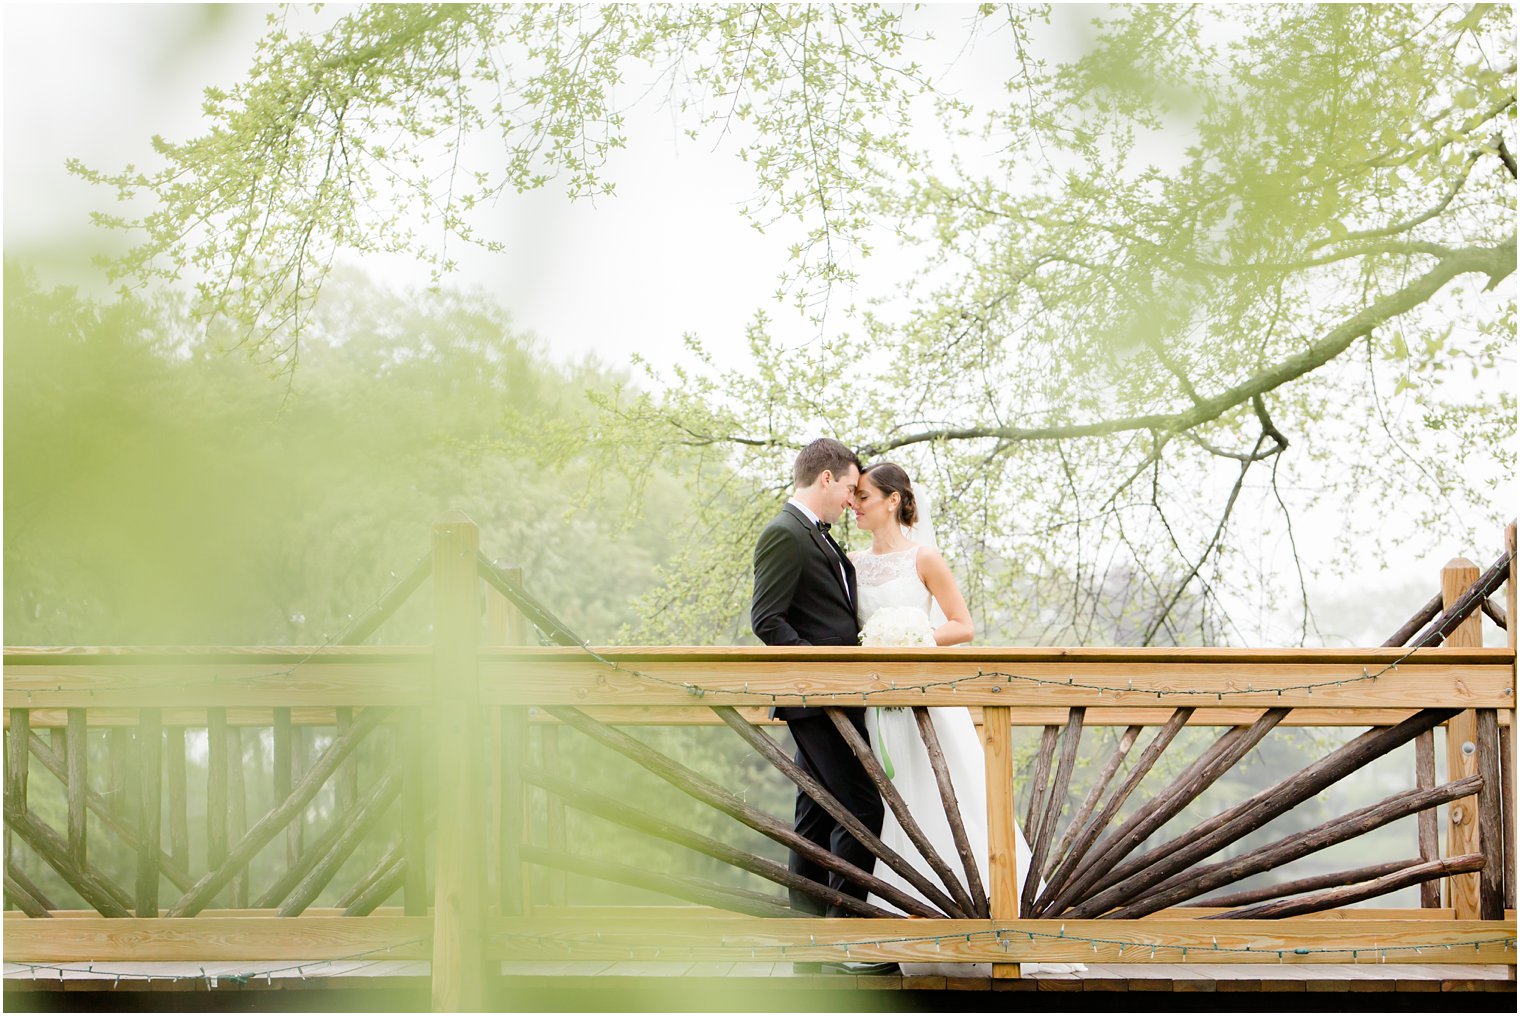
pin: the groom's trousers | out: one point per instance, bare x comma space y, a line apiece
825, 756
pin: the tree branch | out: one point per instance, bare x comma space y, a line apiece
1497, 263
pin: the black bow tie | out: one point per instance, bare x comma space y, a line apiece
823, 527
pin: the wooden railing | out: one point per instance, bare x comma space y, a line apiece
425, 756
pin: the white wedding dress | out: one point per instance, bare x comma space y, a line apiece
891, 580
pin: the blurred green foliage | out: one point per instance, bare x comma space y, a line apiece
159, 491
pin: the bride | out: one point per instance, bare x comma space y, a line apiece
903, 569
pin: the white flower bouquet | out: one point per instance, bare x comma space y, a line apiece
897, 626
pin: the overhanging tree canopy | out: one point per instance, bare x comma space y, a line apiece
1146, 272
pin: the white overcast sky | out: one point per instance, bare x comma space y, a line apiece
669, 255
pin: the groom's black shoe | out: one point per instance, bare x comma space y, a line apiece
884, 968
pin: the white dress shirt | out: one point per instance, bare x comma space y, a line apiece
813, 518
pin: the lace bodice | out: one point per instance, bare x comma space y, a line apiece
889, 580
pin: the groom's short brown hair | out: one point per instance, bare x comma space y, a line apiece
824, 453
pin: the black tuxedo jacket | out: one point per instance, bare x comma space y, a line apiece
800, 598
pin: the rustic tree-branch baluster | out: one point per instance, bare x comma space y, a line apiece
1344, 896
25, 901
390, 858
952, 805
270, 825
613, 810
1137, 875
97, 889
237, 807
683, 887
16, 758
150, 745
108, 816
1190, 883
704, 790
1427, 822
178, 792
1034, 810
284, 770
893, 799
358, 824
1490, 819
1309, 884
76, 781
216, 787
1155, 813
1084, 812
1040, 846
1084, 840
1421, 618
279, 893
380, 889
773, 754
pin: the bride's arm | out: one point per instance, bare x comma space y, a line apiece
942, 586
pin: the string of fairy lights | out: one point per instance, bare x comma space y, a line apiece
1001, 679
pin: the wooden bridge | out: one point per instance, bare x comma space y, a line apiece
421, 805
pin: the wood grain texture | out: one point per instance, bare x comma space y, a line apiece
700, 939
208, 939
1002, 841
1490, 819
362, 675
458, 981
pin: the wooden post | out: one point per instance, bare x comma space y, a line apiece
1461, 748
506, 626
1002, 849
459, 932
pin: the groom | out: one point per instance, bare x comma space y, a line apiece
805, 596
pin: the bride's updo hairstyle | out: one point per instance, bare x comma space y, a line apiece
890, 478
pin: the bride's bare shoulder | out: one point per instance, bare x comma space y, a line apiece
930, 562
